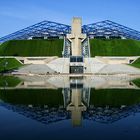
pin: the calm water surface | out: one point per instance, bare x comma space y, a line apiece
76, 108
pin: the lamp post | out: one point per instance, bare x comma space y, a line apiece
5, 85
5, 65
5, 61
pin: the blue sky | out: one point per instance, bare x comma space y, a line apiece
18, 14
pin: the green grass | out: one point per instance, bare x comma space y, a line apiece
137, 82
9, 81
114, 47
99, 47
136, 63
32, 48
7, 64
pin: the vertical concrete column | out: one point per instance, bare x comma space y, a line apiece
76, 37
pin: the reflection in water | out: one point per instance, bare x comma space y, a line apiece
76, 102
76, 106
110, 114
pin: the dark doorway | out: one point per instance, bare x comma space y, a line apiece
76, 69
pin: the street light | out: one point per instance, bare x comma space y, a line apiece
5, 64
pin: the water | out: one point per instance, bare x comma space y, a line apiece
99, 107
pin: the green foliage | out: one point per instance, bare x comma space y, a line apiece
114, 47
32, 48
7, 64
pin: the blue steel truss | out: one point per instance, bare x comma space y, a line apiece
44, 28
50, 29
53, 115
108, 28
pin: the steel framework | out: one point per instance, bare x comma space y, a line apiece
108, 28
53, 115
44, 28
50, 29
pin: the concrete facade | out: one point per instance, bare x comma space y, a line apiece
97, 65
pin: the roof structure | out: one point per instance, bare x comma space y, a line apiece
44, 28
109, 28
50, 29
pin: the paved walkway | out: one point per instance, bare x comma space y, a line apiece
106, 69
34, 69
119, 69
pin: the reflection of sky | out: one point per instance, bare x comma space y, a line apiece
18, 14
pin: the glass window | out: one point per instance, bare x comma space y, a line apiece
76, 59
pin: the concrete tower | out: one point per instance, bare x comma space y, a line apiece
76, 37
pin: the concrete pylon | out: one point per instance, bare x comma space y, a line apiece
76, 36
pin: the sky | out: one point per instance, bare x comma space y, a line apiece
18, 14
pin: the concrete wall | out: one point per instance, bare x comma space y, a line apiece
91, 65
36, 60
117, 60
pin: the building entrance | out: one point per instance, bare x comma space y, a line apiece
76, 69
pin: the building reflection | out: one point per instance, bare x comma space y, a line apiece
79, 99
76, 107
76, 102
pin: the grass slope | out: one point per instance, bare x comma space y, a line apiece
98, 47
136, 63
32, 48
7, 64
9, 81
114, 47
137, 82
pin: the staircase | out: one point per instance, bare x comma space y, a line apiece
85, 48
66, 48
